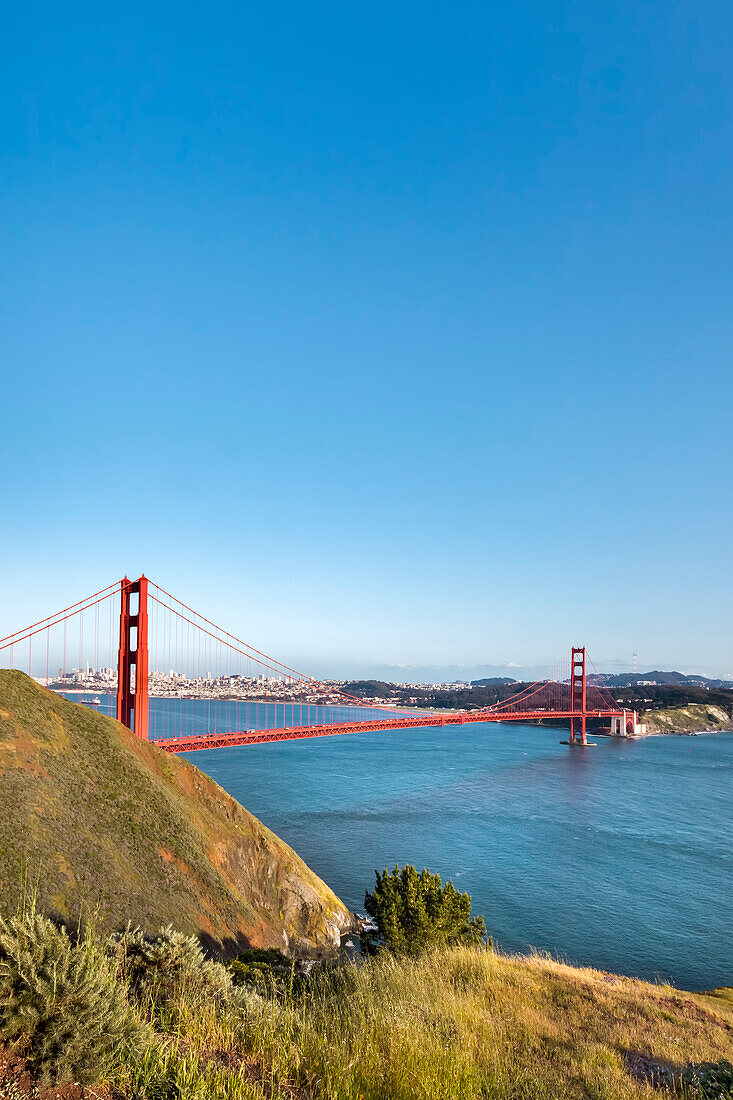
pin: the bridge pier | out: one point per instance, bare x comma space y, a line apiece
578, 731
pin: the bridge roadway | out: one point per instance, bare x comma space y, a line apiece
296, 733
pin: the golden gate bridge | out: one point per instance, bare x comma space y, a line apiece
251, 697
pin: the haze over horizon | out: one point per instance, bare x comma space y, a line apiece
447, 673
392, 338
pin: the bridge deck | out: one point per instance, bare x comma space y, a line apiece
295, 733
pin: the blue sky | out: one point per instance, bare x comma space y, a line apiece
388, 335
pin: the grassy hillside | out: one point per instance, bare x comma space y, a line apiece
463, 1024
102, 821
469, 1024
693, 718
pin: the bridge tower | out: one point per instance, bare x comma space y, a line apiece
577, 696
132, 660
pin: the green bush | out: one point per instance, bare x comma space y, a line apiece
168, 973
268, 971
164, 964
413, 911
60, 1001
709, 1081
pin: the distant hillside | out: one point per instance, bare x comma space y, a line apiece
493, 681
693, 718
663, 679
104, 821
369, 689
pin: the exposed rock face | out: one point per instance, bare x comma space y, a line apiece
105, 826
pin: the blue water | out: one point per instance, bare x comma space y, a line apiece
618, 857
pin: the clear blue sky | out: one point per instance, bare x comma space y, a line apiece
386, 334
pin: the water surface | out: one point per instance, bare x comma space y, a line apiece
618, 857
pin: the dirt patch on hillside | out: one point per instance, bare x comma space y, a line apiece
17, 1082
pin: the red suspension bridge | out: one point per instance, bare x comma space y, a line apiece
210, 689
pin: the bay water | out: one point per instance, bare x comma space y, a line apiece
618, 857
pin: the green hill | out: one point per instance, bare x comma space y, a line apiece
693, 718
101, 822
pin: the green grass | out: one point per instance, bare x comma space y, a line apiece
463, 1024
459, 1024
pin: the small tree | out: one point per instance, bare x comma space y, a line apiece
413, 911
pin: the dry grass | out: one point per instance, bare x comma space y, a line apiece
461, 1025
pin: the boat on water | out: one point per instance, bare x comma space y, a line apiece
95, 702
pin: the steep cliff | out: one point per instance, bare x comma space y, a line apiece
98, 822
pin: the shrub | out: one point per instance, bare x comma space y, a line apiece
164, 964
265, 969
61, 1001
413, 911
709, 1081
169, 974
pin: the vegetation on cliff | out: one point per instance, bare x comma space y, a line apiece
458, 1023
98, 822
412, 911
693, 718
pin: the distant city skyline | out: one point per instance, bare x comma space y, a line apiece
399, 674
